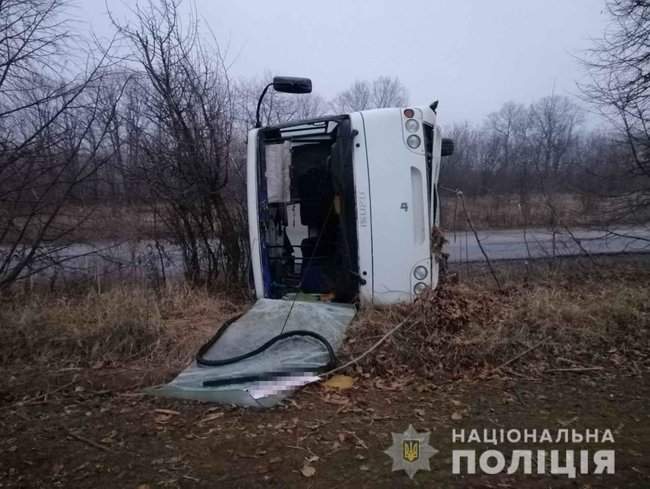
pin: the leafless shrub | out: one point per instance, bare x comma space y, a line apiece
184, 137
121, 324
566, 317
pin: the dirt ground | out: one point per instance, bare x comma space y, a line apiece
562, 347
95, 428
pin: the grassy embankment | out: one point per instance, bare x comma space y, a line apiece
570, 313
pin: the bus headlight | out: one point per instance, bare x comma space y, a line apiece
420, 272
413, 141
419, 288
412, 125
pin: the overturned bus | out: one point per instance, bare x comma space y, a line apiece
343, 207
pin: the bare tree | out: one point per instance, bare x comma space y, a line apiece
554, 122
362, 95
620, 65
509, 131
460, 169
388, 92
509, 126
185, 139
357, 97
51, 135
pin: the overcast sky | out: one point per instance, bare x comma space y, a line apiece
472, 55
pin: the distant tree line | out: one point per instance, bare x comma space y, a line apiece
545, 149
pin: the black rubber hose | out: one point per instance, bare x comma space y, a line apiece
204, 362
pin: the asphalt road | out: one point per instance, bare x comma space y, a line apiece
513, 244
129, 259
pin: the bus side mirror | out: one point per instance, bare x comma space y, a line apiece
291, 84
447, 147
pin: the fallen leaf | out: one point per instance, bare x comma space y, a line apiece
307, 470
339, 382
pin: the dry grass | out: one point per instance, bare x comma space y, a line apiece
123, 324
504, 211
570, 319
574, 314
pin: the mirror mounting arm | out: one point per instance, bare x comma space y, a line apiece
258, 123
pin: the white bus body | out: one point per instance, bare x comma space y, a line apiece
344, 206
